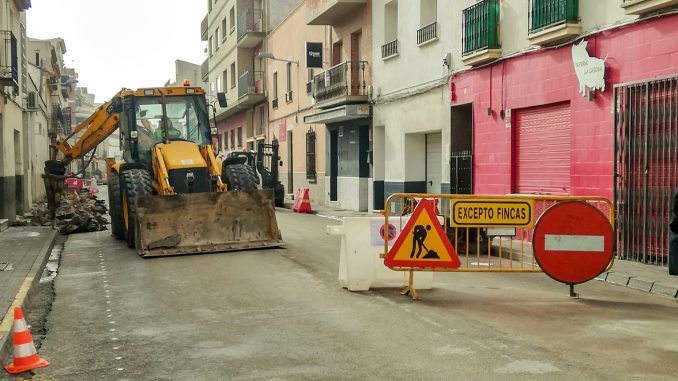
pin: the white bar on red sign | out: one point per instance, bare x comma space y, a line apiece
562, 242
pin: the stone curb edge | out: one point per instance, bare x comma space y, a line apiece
638, 283
23, 296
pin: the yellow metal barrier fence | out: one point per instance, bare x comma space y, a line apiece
490, 233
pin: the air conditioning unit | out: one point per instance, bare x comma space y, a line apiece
32, 100
288, 96
309, 87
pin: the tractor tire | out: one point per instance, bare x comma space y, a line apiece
115, 206
239, 177
135, 183
279, 195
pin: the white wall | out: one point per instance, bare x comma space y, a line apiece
405, 124
427, 59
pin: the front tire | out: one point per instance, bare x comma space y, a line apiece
279, 195
239, 177
115, 206
135, 183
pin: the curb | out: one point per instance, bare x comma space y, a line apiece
638, 283
619, 278
23, 296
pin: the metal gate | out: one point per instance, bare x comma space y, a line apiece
461, 172
646, 167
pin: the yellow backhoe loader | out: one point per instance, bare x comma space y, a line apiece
170, 195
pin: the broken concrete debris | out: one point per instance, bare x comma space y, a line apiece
78, 212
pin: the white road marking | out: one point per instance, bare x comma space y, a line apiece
562, 242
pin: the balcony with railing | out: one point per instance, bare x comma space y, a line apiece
203, 29
205, 70
67, 85
250, 28
9, 60
640, 7
251, 88
427, 34
480, 33
329, 12
342, 84
389, 49
552, 21
57, 120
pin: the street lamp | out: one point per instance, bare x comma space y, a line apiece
270, 56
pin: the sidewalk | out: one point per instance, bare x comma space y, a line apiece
639, 276
23, 254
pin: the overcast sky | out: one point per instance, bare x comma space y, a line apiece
121, 43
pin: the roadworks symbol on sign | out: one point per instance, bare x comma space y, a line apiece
422, 243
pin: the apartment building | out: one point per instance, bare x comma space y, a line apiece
183, 71
341, 89
13, 120
290, 100
561, 97
234, 31
599, 94
412, 40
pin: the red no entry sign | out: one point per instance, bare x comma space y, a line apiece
573, 242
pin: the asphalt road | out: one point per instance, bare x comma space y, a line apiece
280, 314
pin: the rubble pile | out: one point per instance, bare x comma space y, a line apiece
79, 212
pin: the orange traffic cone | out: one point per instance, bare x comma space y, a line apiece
25, 356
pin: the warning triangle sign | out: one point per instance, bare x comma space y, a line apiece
422, 242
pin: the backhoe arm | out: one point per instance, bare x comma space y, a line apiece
100, 125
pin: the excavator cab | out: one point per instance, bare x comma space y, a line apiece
170, 195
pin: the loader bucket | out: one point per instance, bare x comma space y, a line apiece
206, 223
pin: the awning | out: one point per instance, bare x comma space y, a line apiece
340, 114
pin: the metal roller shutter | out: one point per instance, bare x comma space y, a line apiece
542, 150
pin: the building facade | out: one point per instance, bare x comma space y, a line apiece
586, 110
183, 71
234, 31
14, 164
412, 42
341, 90
290, 100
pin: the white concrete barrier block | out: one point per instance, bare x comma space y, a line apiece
360, 266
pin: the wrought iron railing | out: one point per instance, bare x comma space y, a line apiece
57, 120
250, 21
251, 83
427, 33
348, 78
205, 69
481, 26
9, 60
547, 13
389, 49
203, 29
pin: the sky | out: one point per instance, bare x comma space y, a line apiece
121, 43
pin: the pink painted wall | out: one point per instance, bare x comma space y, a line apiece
640, 51
233, 122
